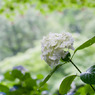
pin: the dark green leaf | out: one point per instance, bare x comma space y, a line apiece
65, 85
4, 88
88, 76
17, 74
26, 76
30, 83
91, 69
85, 44
50, 74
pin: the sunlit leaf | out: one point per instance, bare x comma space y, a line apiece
40, 76
84, 90
49, 5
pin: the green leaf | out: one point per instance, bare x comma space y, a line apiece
85, 44
4, 88
91, 69
50, 74
65, 85
84, 90
17, 74
26, 76
8, 76
88, 76
30, 83
40, 76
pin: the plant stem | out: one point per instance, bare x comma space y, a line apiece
92, 87
80, 72
75, 66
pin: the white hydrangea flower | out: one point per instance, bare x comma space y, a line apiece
55, 45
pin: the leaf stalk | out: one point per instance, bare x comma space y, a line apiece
80, 72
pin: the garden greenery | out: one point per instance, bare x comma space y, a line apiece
87, 77
19, 81
24, 83
10, 7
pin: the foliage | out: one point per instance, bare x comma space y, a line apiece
10, 7
87, 77
67, 83
23, 83
26, 59
15, 38
84, 90
75, 21
86, 44
50, 74
21, 34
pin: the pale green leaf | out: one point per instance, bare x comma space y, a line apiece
65, 85
85, 44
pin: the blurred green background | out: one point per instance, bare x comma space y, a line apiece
20, 40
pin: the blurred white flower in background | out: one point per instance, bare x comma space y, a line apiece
55, 45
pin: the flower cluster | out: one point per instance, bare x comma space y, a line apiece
54, 46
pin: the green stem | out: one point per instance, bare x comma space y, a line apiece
75, 66
80, 72
92, 87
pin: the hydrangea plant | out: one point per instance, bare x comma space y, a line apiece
55, 49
